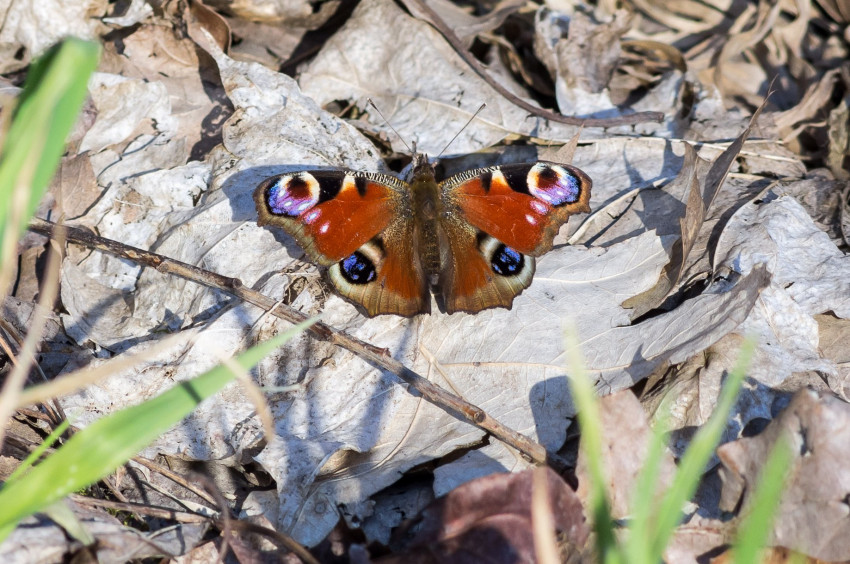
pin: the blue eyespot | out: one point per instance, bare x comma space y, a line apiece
555, 186
358, 269
506, 261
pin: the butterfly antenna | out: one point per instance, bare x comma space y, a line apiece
478, 111
400, 138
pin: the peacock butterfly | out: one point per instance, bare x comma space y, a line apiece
386, 242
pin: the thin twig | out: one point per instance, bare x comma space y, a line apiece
178, 479
435, 20
378, 357
189, 517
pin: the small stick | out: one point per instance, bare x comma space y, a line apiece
381, 358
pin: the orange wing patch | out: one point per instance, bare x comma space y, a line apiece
330, 213
522, 205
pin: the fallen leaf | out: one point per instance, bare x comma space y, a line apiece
489, 519
625, 435
812, 512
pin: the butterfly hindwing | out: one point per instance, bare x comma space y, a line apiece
480, 272
385, 275
521, 205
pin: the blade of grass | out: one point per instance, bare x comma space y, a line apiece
693, 461
100, 448
53, 94
754, 529
643, 507
591, 442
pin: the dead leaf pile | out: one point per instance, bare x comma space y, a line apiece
724, 217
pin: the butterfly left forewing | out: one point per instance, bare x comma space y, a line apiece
497, 220
357, 224
331, 213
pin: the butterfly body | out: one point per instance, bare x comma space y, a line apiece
387, 243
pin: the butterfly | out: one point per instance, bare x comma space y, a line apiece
386, 242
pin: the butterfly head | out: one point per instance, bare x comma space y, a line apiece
422, 167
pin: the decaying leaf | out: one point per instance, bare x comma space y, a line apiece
625, 435
813, 510
490, 519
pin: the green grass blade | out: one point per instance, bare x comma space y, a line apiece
643, 508
103, 446
38, 451
591, 442
754, 529
45, 112
692, 464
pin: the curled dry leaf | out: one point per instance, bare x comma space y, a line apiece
490, 519
561, 41
812, 513
625, 438
701, 192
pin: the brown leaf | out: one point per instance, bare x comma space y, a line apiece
625, 435
833, 340
489, 520
74, 186
597, 45
812, 515
197, 13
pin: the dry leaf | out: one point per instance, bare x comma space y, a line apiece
489, 519
812, 512
625, 438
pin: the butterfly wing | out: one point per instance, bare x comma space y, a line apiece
330, 213
521, 205
357, 224
498, 219
478, 271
